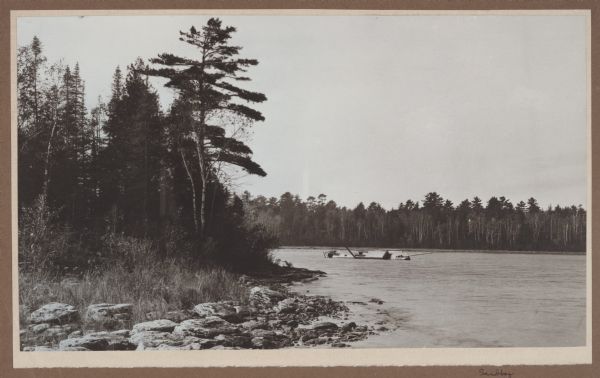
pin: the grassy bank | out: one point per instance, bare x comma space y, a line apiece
156, 288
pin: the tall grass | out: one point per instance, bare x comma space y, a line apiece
137, 276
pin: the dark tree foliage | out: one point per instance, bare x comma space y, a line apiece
131, 160
126, 169
206, 90
435, 224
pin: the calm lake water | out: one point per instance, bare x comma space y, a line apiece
454, 299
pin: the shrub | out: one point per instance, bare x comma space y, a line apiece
41, 242
139, 277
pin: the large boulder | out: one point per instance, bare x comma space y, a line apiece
263, 296
238, 341
109, 314
205, 327
163, 325
98, 341
152, 339
287, 306
54, 313
222, 310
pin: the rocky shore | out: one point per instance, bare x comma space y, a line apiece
274, 317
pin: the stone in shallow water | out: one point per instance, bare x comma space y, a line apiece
348, 327
54, 313
163, 325
322, 326
205, 327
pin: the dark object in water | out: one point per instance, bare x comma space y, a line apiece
360, 255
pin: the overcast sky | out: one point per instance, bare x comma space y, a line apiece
365, 108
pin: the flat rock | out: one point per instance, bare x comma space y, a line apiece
38, 328
98, 341
163, 325
38, 349
316, 341
244, 311
322, 326
264, 296
60, 331
107, 312
234, 341
262, 333
287, 306
254, 324
74, 349
152, 339
262, 343
54, 313
222, 310
205, 327
121, 332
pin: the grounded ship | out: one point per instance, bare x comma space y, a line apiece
361, 255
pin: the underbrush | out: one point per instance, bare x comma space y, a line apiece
171, 272
151, 287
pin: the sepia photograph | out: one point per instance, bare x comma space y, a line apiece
341, 181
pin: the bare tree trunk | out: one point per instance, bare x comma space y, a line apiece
47, 162
194, 208
203, 177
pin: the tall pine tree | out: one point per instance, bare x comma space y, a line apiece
205, 84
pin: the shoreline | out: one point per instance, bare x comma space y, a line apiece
275, 317
441, 250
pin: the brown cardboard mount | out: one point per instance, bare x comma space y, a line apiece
281, 363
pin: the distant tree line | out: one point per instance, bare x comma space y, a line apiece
432, 223
126, 167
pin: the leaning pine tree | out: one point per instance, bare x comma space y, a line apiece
206, 85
